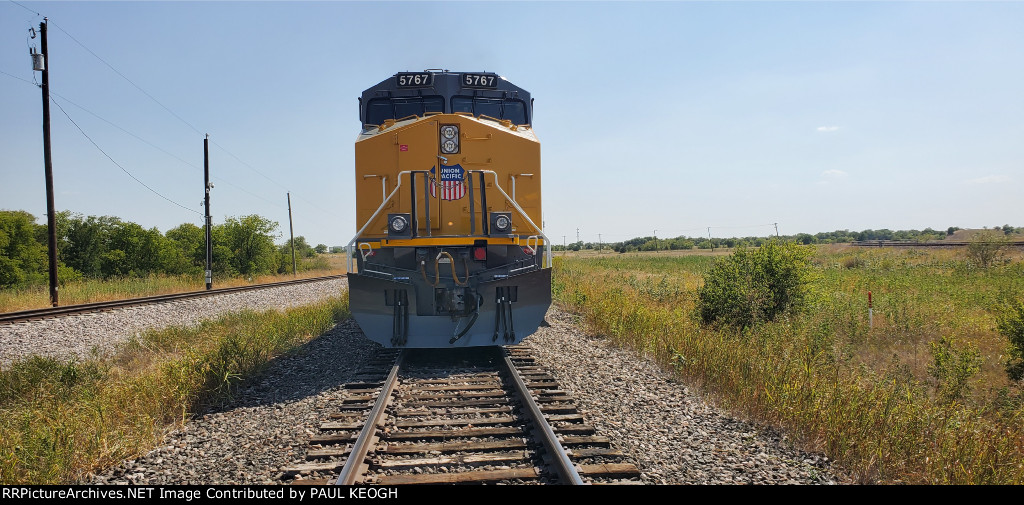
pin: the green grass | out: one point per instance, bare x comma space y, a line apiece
61, 419
875, 399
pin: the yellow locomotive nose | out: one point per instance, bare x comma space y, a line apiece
448, 196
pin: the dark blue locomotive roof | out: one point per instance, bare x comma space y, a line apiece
417, 93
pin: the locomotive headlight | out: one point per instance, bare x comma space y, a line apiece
501, 223
449, 138
398, 224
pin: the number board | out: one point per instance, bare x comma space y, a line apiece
415, 80
486, 81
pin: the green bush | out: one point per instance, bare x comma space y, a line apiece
1010, 323
988, 249
754, 285
953, 364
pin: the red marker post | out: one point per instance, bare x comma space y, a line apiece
870, 315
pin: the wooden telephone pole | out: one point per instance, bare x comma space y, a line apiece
41, 62
207, 186
291, 232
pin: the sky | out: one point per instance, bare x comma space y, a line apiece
654, 117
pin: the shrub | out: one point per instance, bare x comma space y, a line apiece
953, 364
1010, 323
987, 249
754, 285
853, 262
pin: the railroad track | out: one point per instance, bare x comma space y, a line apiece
898, 243
484, 415
49, 312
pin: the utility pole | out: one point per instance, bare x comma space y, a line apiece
655, 240
51, 214
600, 243
709, 240
776, 230
563, 244
577, 234
291, 232
207, 186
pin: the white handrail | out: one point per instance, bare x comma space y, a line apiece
521, 212
497, 185
359, 233
536, 240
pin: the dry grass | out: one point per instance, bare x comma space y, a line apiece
88, 291
61, 419
871, 397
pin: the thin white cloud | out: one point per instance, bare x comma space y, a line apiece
835, 174
827, 128
989, 179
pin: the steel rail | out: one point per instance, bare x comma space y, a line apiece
10, 317
896, 243
356, 458
563, 465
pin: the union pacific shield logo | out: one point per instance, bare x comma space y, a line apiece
449, 183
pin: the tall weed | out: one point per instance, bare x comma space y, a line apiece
860, 392
61, 419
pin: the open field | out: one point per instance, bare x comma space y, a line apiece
919, 396
608, 253
94, 290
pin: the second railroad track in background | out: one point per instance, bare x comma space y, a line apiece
481, 415
48, 312
938, 243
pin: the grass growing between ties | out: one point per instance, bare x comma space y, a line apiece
922, 395
61, 419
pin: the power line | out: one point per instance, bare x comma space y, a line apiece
118, 164
748, 226
151, 97
265, 176
18, 78
116, 71
136, 137
229, 153
178, 117
23, 7
144, 141
158, 148
158, 102
154, 146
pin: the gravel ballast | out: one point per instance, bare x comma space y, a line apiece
670, 433
266, 428
81, 334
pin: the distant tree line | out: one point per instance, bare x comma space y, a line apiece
105, 247
832, 237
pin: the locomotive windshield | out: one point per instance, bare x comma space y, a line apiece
513, 110
380, 109
420, 93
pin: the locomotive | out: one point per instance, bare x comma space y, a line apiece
448, 251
